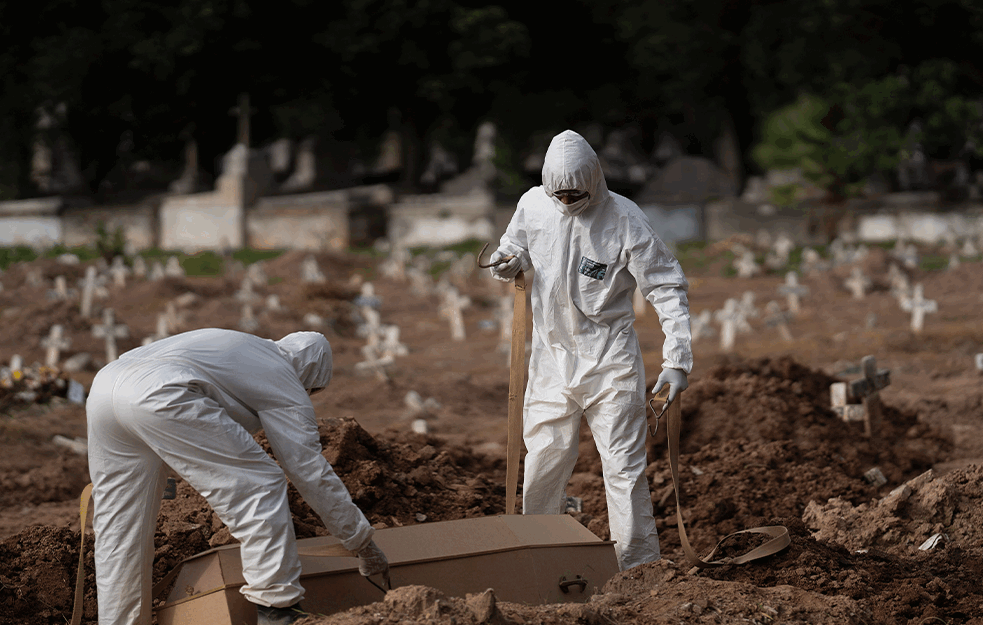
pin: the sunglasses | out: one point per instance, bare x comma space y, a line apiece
570, 193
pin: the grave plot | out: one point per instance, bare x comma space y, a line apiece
761, 442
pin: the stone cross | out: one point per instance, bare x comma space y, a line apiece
174, 319
257, 274
639, 303
156, 271
118, 270
61, 288
390, 346
867, 388
778, 318
139, 267
953, 261
88, 292
55, 342
730, 319
858, 283
245, 294
372, 328
273, 303
900, 287
792, 291
847, 412
811, 260
746, 267
394, 267
174, 268
453, 305
421, 282
917, 305
367, 297
248, 322
161, 331
110, 331
310, 272
979, 363
242, 111
375, 362
746, 305
701, 326
968, 250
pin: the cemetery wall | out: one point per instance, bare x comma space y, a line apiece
731, 216
32, 222
201, 221
441, 219
139, 223
313, 221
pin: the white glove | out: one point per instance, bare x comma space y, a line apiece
371, 560
508, 270
675, 378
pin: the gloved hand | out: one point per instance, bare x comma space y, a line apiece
371, 560
508, 270
675, 378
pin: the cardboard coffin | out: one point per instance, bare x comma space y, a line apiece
532, 559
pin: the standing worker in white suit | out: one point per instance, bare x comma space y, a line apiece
191, 402
588, 249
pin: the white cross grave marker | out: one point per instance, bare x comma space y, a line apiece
792, 291
968, 250
156, 271
778, 318
88, 292
953, 261
918, 306
858, 283
452, 308
729, 318
248, 322
118, 270
746, 267
139, 267
310, 272
245, 294
701, 325
110, 331
55, 342
390, 346
61, 289
174, 268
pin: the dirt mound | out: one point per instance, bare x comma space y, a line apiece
37, 578
948, 506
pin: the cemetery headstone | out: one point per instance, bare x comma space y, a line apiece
139, 267
110, 332
88, 292
310, 272
54, 343
778, 318
747, 267
701, 325
918, 306
256, 272
793, 292
846, 412
118, 270
390, 346
452, 308
156, 271
76, 392
245, 294
868, 389
858, 283
174, 268
367, 297
979, 362
248, 322
730, 319
953, 262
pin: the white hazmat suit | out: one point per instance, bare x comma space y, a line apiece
191, 402
587, 259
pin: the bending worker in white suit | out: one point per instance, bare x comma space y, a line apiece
588, 249
190, 402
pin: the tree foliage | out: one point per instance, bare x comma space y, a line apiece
138, 78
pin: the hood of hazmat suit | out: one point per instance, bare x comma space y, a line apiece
572, 164
310, 355
587, 261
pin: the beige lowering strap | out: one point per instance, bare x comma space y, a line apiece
517, 378
779, 534
80, 578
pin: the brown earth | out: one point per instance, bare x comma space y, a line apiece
760, 446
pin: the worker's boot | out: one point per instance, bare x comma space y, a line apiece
268, 615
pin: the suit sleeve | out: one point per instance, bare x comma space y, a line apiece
661, 280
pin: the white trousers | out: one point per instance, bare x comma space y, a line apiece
129, 445
551, 431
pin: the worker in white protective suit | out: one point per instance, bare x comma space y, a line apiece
588, 248
191, 402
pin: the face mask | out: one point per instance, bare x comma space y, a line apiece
572, 209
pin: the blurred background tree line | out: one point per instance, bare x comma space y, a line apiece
831, 86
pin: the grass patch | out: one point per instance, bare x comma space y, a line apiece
16, 254
248, 256
933, 262
205, 263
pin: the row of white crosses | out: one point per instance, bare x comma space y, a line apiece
383, 343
